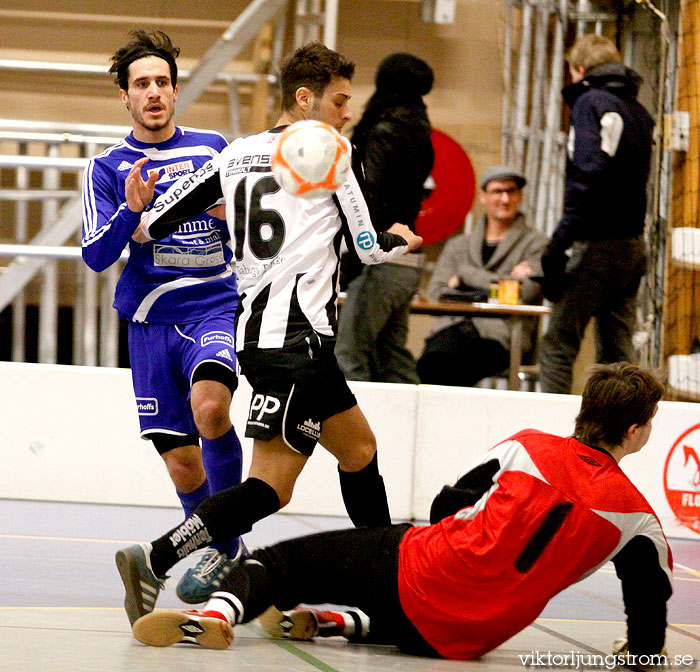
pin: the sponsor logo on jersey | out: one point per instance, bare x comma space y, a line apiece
310, 428
177, 194
589, 460
180, 256
244, 164
682, 478
365, 240
195, 226
255, 272
352, 199
260, 405
175, 171
216, 337
225, 354
147, 405
124, 165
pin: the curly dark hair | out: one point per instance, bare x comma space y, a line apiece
615, 397
143, 43
312, 66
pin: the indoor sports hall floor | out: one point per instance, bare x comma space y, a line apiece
60, 605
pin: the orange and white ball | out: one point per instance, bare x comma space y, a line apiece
311, 159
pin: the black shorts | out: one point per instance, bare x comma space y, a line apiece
295, 389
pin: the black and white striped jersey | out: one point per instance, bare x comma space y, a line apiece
286, 248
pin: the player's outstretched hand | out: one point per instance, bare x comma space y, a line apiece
413, 241
139, 193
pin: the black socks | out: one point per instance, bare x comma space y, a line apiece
364, 496
229, 513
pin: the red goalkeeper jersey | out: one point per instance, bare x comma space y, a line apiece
545, 512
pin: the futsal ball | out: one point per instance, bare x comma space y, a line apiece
311, 159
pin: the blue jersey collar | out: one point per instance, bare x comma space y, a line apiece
174, 139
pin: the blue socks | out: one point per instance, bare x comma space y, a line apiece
191, 500
223, 463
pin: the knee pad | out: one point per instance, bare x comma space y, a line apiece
218, 372
165, 442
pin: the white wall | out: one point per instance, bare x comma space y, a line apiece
71, 434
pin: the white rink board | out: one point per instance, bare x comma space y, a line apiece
71, 434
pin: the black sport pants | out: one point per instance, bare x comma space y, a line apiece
356, 567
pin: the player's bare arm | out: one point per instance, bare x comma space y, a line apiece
412, 240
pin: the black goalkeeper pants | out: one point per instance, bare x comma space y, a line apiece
356, 567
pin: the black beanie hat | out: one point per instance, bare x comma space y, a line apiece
404, 73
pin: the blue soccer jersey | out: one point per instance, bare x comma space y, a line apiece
181, 278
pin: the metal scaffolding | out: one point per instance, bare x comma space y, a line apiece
533, 133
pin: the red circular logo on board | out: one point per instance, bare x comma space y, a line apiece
445, 210
682, 478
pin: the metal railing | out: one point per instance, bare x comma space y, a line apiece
57, 212
51, 213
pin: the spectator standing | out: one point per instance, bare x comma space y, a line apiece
393, 145
462, 351
608, 162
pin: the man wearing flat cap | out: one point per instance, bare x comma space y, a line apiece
462, 351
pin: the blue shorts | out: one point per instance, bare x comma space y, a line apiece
164, 359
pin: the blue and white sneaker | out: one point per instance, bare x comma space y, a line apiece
141, 584
200, 581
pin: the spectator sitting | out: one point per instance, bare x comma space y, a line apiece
462, 351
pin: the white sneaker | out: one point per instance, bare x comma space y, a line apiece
166, 627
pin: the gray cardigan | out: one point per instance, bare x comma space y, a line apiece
461, 256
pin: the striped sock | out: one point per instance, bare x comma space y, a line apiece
360, 624
352, 623
226, 606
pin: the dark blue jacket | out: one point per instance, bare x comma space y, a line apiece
608, 158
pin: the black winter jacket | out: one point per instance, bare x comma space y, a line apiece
608, 158
397, 157
392, 158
